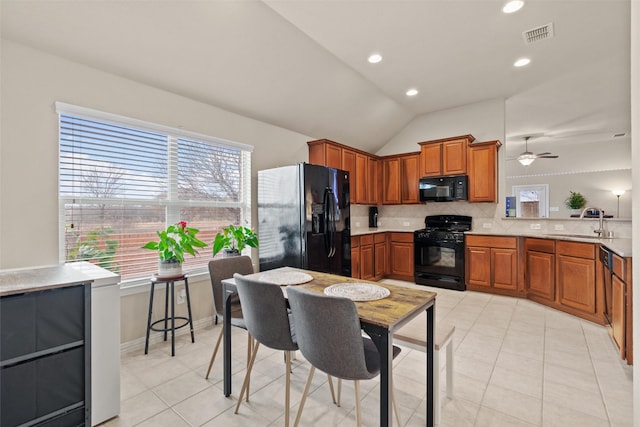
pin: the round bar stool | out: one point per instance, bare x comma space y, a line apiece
169, 318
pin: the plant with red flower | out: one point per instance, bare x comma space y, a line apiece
175, 241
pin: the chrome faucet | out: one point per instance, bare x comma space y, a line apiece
600, 230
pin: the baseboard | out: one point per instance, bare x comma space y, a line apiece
138, 343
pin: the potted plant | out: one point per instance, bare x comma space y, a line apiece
234, 239
173, 243
575, 202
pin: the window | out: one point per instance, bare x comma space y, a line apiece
121, 180
532, 201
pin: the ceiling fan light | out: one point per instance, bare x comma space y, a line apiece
526, 159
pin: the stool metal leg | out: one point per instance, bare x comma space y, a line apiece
186, 288
166, 302
173, 319
146, 343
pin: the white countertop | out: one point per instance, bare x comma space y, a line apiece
22, 280
621, 246
370, 230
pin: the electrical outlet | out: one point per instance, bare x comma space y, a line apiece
357, 224
182, 294
406, 223
554, 209
558, 227
487, 225
534, 226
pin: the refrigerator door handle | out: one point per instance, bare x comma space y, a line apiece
327, 233
330, 225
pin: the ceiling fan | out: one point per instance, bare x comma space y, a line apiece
527, 157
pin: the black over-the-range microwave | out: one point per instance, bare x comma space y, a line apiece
443, 188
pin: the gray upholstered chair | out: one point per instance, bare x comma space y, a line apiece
219, 270
268, 321
330, 338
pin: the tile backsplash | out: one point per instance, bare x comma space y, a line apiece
486, 216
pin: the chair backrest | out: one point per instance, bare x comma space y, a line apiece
265, 313
329, 334
224, 268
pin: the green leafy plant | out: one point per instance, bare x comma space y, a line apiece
175, 241
575, 200
234, 239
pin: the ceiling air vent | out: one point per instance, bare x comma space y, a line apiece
539, 33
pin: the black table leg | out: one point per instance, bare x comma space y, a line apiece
384, 343
166, 302
431, 326
226, 324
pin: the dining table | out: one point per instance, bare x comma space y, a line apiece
380, 318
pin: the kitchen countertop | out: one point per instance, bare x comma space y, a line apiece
621, 246
370, 230
16, 281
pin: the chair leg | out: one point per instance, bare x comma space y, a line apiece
213, 356
333, 396
358, 416
250, 343
304, 395
287, 394
339, 390
245, 384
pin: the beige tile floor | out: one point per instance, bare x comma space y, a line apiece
517, 363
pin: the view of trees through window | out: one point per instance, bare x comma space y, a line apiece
118, 185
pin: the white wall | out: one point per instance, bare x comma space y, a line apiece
484, 120
31, 82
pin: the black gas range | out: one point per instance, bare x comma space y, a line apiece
439, 251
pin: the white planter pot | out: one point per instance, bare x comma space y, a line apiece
169, 268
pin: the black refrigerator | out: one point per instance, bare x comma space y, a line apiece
303, 219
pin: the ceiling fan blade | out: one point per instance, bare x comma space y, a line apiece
543, 154
546, 157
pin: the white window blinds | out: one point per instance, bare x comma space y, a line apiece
119, 183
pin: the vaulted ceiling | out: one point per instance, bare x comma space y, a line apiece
303, 65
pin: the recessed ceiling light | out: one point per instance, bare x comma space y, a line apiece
375, 58
521, 62
412, 92
513, 6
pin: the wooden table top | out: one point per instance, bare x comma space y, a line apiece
391, 312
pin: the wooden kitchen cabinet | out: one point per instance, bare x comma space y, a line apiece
367, 257
363, 168
478, 266
482, 171
326, 153
621, 310
575, 276
446, 156
401, 256
380, 255
491, 263
401, 175
540, 268
355, 257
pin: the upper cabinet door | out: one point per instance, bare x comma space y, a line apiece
410, 175
391, 181
454, 157
431, 159
483, 171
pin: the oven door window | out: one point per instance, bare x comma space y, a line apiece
440, 258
